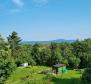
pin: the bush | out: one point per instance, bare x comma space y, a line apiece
6, 69
87, 74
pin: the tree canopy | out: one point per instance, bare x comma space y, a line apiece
75, 55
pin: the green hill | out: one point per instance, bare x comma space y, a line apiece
39, 75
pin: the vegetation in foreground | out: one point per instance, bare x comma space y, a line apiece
86, 77
34, 75
12, 53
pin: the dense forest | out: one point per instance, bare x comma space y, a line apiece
75, 55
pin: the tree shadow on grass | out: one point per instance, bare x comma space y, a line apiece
67, 81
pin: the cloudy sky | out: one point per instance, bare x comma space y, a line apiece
46, 19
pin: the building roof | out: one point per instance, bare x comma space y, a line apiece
59, 65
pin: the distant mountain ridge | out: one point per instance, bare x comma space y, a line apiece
62, 40
46, 42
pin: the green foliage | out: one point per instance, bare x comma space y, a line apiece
14, 42
24, 55
33, 75
45, 55
6, 62
86, 78
73, 62
6, 68
82, 50
74, 55
36, 53
55, 54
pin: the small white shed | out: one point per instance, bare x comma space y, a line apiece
24, 65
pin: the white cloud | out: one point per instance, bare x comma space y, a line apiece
18, 2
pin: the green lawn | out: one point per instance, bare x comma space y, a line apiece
33, 75
72, 77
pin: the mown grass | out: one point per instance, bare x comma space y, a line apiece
33, 75
72, 77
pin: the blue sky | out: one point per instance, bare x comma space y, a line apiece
46, 19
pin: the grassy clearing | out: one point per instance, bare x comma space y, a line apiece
72, 77
31, 75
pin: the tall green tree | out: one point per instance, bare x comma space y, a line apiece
36, 53
24, 55
14, 42
45, 56
68, 56
82, 50
56, 56
6, 62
